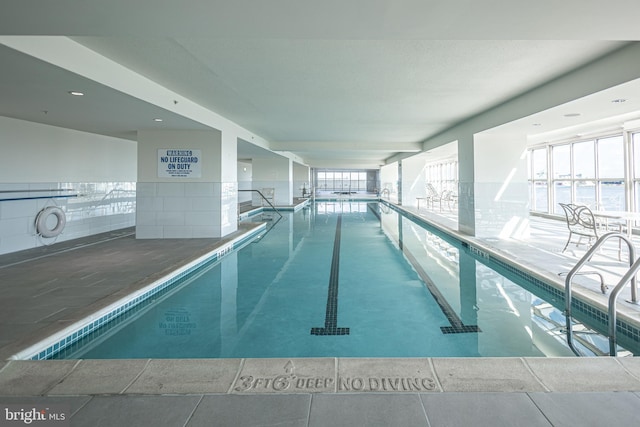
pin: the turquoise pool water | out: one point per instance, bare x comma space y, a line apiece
338, 279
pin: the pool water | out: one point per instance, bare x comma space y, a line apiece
338, 279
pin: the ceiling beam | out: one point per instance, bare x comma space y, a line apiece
337, 146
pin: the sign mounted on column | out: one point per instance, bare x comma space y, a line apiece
179, 163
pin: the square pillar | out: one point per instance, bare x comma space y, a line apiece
413, 180
301, 180
466, 186
501, 187
274, 172
201, 201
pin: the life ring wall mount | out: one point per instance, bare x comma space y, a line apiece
42, 222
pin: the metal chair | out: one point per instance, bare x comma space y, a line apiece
432, 195
448, 197
581, 223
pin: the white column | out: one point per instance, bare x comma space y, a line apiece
228, 163
413, 180
501, 189
245, 178
301, 179
389, 181
466, 186
274, 172
202, 204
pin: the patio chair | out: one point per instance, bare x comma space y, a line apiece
448, 197
581, 223
432, 194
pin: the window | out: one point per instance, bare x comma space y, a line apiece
611, 173
588, 172
561, 156
635, 145
443, 176
538, 183
342, 181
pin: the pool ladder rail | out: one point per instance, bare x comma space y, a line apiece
628, 277
264, 199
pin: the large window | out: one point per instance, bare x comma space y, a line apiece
342, 181
635, 144
539, 180
443, 176
561, 183
588, 172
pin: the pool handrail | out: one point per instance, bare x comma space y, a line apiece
634, 266
630, 276
267, 200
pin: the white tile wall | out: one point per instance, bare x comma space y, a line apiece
170, 189
204, 204
158, 210
200, 218
186, 210
200, 189
99, 207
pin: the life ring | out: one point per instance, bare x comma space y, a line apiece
41, 221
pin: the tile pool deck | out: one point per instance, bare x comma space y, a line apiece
46, 289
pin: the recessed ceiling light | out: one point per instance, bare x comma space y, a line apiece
618, 101
157, 120
75, 93
572, 115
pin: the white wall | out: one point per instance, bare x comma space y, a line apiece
209, 142
245, 177
501, 188
389, 181
33, 152
301, 178
274, 172
42, 163
413, 180
187, 207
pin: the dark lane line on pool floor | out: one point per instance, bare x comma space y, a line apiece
457, 326
331, 316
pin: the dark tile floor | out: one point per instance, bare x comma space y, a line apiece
47, 288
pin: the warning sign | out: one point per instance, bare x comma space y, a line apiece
179, 163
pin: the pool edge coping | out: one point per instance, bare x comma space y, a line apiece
128, 377
44, 348
627, 317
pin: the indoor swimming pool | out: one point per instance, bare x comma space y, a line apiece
340, 279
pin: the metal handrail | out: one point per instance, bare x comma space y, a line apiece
629, 276
266, 200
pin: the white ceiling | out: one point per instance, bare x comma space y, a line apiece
345, 84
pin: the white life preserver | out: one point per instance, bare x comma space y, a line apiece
41, 221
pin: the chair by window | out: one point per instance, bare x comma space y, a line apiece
448, 197
581, 223
432, 195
